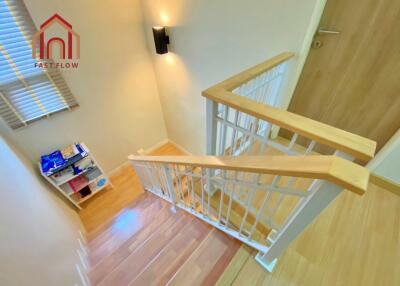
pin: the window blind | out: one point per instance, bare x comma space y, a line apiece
27, 93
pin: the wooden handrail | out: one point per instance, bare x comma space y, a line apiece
240, 78
360, 147
331, 168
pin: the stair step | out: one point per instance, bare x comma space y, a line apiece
238, 261
111, 228
208, 262
103, 267
125, 226
96, 233
129, 269
164, 267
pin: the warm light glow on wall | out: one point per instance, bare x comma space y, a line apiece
164, 17
169, 58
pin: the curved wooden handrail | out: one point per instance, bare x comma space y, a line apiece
360, 147
331, 168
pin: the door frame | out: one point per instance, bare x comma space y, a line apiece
301, 57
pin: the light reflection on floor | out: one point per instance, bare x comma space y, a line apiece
125, 219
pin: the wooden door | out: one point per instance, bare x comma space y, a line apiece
353, 80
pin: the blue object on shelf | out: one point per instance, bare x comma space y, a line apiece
101, 182
76, 169
55, 162
81, 150
51, 161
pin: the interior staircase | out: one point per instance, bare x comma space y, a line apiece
264, 179
263, 182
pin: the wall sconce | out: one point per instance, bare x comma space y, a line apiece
161, 40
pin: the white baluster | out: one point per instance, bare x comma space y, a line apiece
170, 184
280, 198
263, 205
292, 141
202, 191
254, 130
209, 190
235, 132
222, 191
310, 147
138, 171
211, 126
191, 188
178, 183
343, 155
222, 143
249, 201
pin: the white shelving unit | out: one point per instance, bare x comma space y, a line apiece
92, 174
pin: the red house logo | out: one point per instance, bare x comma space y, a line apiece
68, 49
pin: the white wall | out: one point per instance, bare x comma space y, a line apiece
38, 232
211, 40
115, 85
387, 162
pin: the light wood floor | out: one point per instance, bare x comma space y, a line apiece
105, 205
149, 244
356, 241
134, 238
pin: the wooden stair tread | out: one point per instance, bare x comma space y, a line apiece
101, 269
143, 255
99, 231
162, 248
111, 229
131, 221
160, 271
208, 262
242, 255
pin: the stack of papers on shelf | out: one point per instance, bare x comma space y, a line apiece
69, 152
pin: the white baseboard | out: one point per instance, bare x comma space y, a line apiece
163, 142
148, 151
118, 169
179, 147
156, 146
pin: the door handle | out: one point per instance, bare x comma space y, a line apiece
322, 31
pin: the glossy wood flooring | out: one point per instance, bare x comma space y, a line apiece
136, 239
149, 244
108, 203
355, 241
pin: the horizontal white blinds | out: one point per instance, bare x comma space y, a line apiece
27, 93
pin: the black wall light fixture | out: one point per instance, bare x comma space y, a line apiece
161, 40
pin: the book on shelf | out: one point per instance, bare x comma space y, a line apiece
63, 175
55, 162
78, 183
